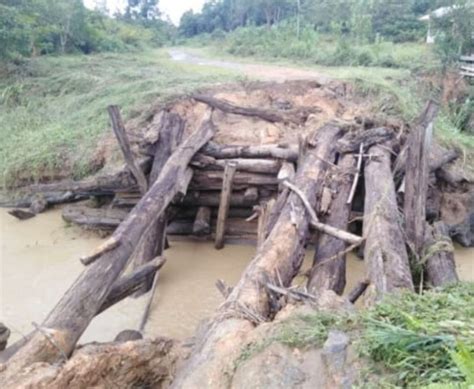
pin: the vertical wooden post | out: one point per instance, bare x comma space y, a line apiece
416, 178
229, 172
121, 135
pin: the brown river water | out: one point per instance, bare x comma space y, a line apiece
39, 260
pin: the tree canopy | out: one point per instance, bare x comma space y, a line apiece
35, 27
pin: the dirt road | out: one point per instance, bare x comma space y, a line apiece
259, 71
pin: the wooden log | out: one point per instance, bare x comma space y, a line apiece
329, 268
202, 223
384, 253
94, 218
212, 180
71, 316
38, 204
352, 141
416, 178
227, 183
153, 242
131, 283
121, 135
102, 184
296, 116
212, 198
279, 258
286, 152
251, 165
439, 256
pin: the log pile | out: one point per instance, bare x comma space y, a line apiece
283, 197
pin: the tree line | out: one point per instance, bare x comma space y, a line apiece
36, 27
364, 20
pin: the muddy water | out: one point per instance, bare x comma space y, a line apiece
39, 261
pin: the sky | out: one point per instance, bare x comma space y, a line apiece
173, 8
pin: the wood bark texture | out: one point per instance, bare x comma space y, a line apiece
384, 253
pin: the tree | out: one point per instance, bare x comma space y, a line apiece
142, 10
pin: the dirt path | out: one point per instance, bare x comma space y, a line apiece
259, 71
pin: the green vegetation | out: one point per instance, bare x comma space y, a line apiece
423, 339
53, 109
411, 340
29, 28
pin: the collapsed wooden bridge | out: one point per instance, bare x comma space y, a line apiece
343, 186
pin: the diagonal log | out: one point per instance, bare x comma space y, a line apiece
73, 313
121, 135
130, 283
278, 259
385, 253
297, 116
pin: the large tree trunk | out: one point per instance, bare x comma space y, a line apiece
385, 253
73, 313
278, 258
329, 271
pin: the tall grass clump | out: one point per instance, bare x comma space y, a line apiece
423, 339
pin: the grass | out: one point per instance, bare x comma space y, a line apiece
53, 109
422, 339
408, 340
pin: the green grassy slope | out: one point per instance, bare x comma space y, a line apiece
53, 109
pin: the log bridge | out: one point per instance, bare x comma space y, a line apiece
282, 197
